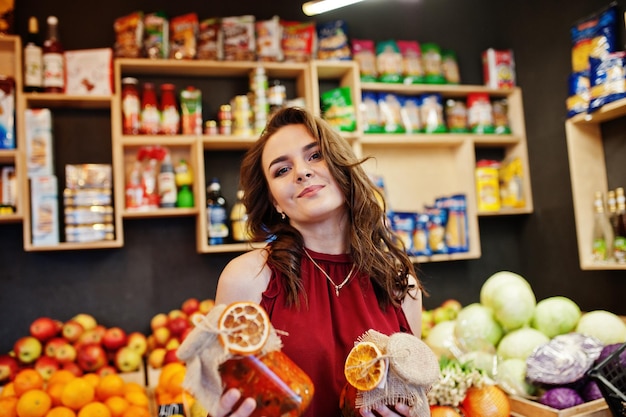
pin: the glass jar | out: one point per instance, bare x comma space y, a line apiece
278, 385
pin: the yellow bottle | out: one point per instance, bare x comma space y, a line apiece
239, 220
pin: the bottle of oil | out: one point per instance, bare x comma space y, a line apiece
619, 244
239, 220
217, 217
602, 238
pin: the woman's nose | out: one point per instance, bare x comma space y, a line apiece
304, 173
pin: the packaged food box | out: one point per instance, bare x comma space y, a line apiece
44, 210
89, 72
39, 142
7, 113
499, 68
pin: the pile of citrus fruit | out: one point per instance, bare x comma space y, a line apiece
68, 395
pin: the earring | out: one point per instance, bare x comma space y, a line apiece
283, 216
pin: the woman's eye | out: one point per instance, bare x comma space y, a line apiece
316, 155
280, 171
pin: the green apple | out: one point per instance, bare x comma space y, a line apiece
127, 359
86, 320
27, 349
138, 342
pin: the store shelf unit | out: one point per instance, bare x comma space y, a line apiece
11, 66
588, 174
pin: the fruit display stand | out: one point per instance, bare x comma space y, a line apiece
522, 407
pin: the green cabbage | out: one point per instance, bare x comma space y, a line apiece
511, 377
521, 343
603, 325
513, 305
441, 339
477, 329
502, 278
556, 315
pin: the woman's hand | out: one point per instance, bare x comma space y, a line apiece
400, 409
228, 401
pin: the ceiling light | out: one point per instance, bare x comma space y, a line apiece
314, 7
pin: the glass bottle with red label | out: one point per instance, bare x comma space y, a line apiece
131, 106
170, 117
150, 117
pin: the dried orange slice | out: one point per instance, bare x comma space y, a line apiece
365, 366
244, 328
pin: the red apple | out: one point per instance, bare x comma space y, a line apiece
65, 353
114, 338
72, 330
9, 366
170, 356
73, 368
159, 320
156, 358
178, 325
46, 366
206, 305
106, 370
89, 337
176, 313
43, 328
90, 358
127, 359
161, 335
138, 342
27, 349
53, 345
190, 305
86, 320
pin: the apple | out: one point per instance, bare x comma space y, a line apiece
206, 305
65, 353
43, 328
114, 338
157, 357
159, 320
190, 305
170, 356
53, 345
73, 368
86, 320
9, 366
89, 337
161, 335
27, 349
138, 342
452, 304
173, 343
127, 359
91, 357
172, 314
178, 325
107, 370
46, 366
72, 330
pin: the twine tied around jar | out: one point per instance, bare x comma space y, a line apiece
413, 369
203, 354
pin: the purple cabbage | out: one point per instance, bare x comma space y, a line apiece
591, 391
561, 398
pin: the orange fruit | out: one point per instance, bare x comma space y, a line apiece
8, 390
27, 379
34, 403
95, 409
93, 379
244, 328
8, 406
62, 375
54, 391
117, 405
136, 411
61, 411
110, 385
443, 411
167, 372
133, 386
487, 401
365, 368
77, 393
137, 398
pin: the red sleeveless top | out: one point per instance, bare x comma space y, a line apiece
322, 332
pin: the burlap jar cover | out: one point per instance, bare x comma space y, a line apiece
203, 354
413, 369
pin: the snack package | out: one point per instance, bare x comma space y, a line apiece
607, 80
364, 53
388, 62
338, 109
156, 35
412, 67
433, 70
236, 345
420, 236
410, 113
511, 178
332, 41
238, 38
500, 109
594, 37
403, 224
390, 110
209, 45
431, 112
299, 41
579, 94
269, 34
437, 219
457, 239
370, 113
128, 35
450, 67
456, 116
183, 36
7, 113
499, 68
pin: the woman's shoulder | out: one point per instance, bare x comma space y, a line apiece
244, 277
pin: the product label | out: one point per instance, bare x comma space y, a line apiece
216, 221
33, 71
131, 109
53, 70
167, 189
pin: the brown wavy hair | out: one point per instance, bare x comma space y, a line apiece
373, 247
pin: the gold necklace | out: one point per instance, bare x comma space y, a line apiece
337, 287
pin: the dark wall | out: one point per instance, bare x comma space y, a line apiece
158, 266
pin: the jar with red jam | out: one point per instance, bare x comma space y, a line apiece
278, 385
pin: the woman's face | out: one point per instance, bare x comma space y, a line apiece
299, 181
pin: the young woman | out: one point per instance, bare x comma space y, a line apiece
332, 269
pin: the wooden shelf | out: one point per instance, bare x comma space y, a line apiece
106, 244
160, 212
446, 90
56, 100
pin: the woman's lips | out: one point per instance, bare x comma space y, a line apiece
308, 191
